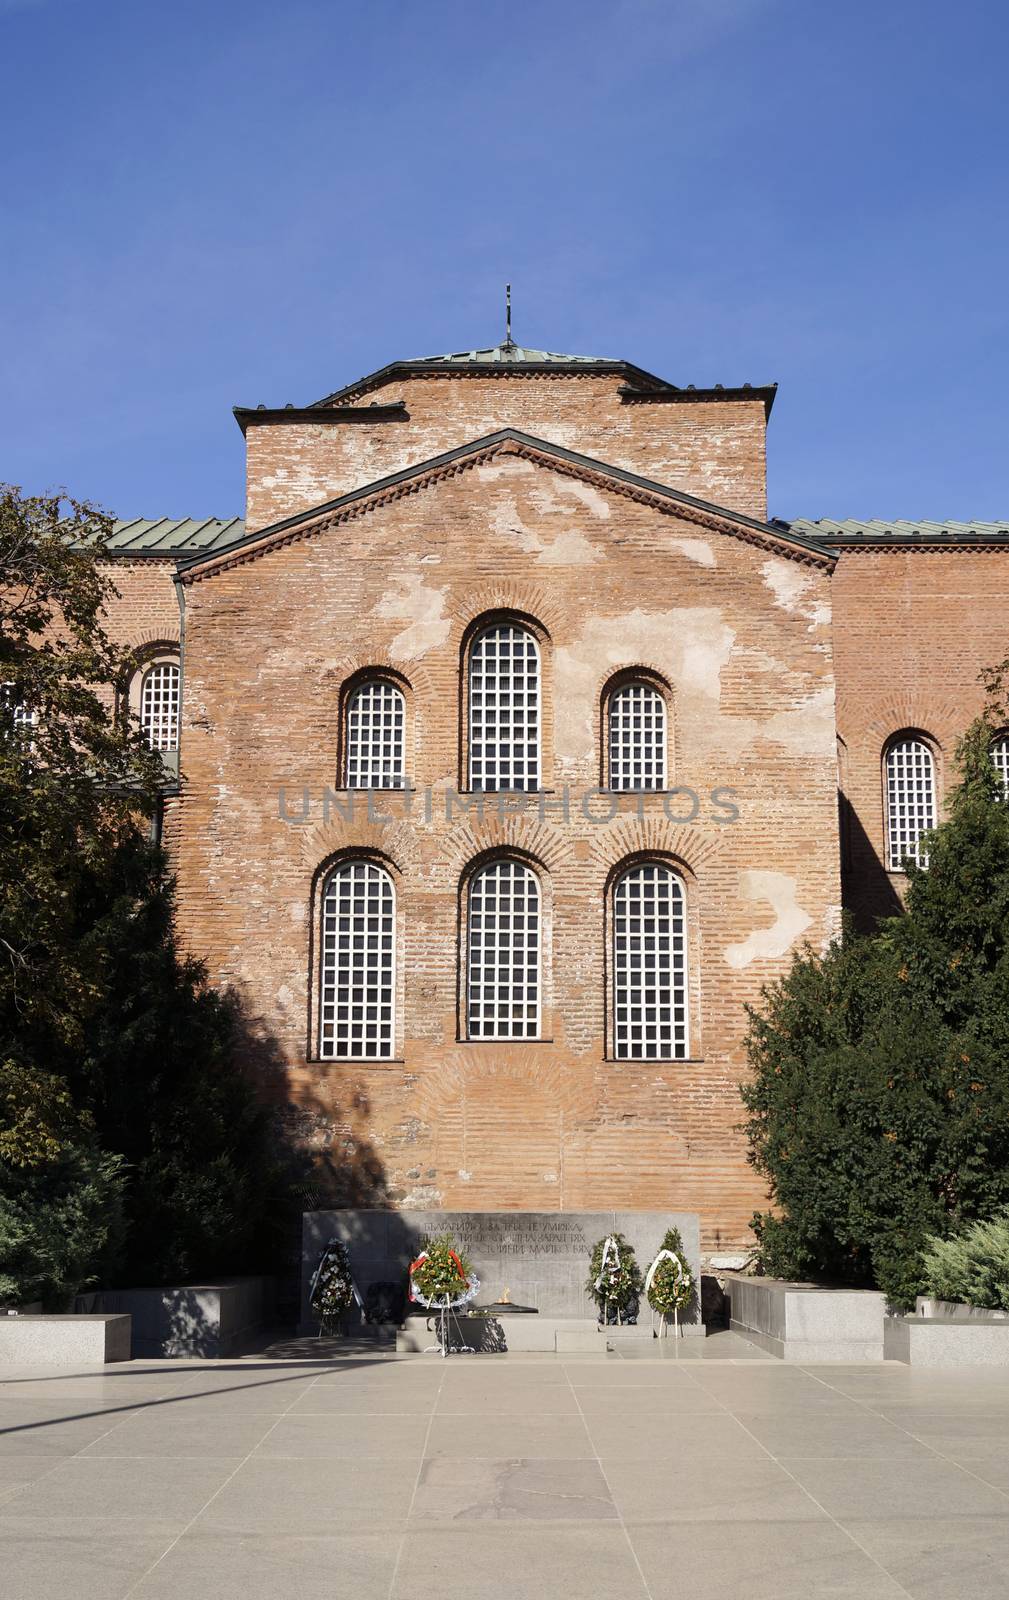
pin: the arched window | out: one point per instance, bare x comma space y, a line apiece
910, 800
376, 718
358, 972
503, 952
649, 965
636, 718
159, 705
17, 716
504, 709
1000, 761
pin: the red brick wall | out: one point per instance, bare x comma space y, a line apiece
712, 449
912, 631
146, 611
742, 637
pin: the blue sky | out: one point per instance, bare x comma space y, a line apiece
209, 204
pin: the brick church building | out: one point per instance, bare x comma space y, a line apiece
511, 749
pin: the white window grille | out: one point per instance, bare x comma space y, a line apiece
357, 990
910, 801
159, 706
1000, 761
637, 729
376, 718
503, 965
504, 709
649, 965
17, 714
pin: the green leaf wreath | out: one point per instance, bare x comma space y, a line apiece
334, 1287
443, 1272
671, 1290
615, 1287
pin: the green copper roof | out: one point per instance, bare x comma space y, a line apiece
169, 536
505, 354
878, 530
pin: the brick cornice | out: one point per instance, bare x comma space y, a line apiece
613, 480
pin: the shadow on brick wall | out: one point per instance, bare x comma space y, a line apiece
867, 889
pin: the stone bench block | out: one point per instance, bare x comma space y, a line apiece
948, 1341
194, 1319
499, 1335
805, 1322
69, 1340
957, 1310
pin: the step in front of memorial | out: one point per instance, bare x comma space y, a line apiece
531, 1335
538, 1335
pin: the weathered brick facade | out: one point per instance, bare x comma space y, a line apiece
747, 627
913, 627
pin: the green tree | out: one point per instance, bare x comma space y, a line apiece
878, 1107
126, 1129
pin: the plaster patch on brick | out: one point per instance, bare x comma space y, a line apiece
693, 644
550, 491
832, 922
698, 550
568, 548
410, 600
780, 892
789, 583
808, 727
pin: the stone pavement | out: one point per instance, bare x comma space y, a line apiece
707, 1472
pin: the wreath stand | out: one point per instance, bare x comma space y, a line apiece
663, 1332
446, 1308
446, 1315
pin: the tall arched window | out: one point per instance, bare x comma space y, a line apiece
650, 965
910, 800
503, 952
358, 970
636, 718
374, 738
1000, 761
504, 709
159, 705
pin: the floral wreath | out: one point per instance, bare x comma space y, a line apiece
435, 1288
674, 1286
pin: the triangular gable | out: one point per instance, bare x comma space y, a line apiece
508, 441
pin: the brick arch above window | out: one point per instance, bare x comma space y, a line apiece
545, 847
686, 847
943, 717
532, 601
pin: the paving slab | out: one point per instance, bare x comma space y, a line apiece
570, 1476
268, 1567
454, 1490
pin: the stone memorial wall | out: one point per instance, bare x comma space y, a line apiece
540, 1257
